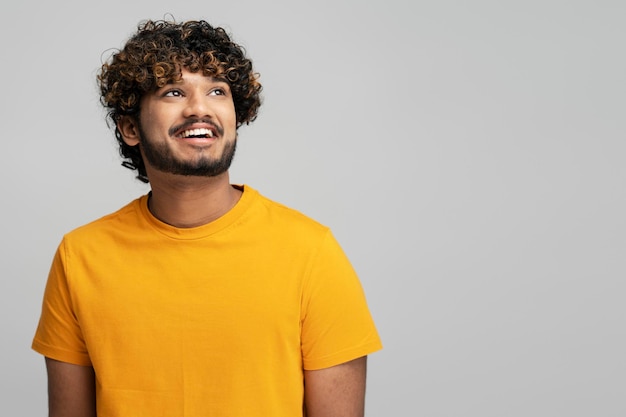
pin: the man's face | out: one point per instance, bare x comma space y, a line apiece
189, 128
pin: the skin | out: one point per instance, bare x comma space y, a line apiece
338, 391
71, 390
188, 201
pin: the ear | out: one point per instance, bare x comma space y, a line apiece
129, 129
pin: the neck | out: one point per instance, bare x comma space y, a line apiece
186, 202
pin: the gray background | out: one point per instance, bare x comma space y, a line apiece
469, 156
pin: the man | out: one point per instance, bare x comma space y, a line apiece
201, 298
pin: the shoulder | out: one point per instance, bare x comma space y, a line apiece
282, 216
117, 220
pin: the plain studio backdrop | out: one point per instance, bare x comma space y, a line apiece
468, 155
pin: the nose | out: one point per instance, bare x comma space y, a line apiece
198, 105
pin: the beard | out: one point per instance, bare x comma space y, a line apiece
160, 157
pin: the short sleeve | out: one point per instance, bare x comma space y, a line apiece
58, 334
336, 322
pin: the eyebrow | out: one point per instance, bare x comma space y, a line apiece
182, 81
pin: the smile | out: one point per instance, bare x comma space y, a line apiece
197, 133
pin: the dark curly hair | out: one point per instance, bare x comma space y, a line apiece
155, 56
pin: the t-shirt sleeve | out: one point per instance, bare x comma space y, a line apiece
58, 334
336, 322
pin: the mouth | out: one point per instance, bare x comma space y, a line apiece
202, 133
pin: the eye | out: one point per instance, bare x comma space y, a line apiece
219, 91
173, 93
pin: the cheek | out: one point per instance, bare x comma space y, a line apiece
233, 114
229, 118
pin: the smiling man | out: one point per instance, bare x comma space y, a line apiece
202, 297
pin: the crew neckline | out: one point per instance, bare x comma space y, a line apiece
248, 196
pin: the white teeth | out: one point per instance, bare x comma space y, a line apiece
197, 132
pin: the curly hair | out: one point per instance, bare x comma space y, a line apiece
155, 56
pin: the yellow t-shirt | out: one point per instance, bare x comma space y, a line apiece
216, 320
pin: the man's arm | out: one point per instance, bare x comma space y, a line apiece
71, 390
338, 391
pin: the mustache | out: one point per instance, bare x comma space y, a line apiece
190, 122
